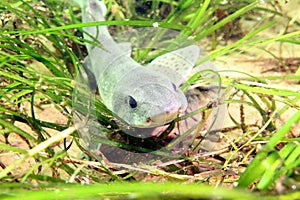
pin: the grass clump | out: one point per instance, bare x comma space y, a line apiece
41, 48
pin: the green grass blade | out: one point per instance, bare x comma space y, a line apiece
263, 162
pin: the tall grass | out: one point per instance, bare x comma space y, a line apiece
41, 48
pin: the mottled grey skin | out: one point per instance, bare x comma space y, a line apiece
142, 96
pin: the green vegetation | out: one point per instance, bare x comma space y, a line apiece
41, 46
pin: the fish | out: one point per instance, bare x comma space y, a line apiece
143, 96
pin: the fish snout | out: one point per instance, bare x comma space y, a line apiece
167, 115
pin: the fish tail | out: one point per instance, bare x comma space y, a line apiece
96, 9
81, 3
92, 11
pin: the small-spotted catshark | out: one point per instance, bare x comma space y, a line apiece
143, 96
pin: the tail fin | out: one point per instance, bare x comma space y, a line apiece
81, 3
92, 10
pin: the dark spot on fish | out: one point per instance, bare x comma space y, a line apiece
174, 87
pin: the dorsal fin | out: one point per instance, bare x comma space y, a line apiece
177, 64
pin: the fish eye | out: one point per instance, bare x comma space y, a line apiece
132, 102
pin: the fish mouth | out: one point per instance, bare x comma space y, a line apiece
163, 118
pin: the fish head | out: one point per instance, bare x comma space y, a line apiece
152, 102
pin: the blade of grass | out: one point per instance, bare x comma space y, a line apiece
257, 167
37, 149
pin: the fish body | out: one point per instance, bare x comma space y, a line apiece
143, 97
